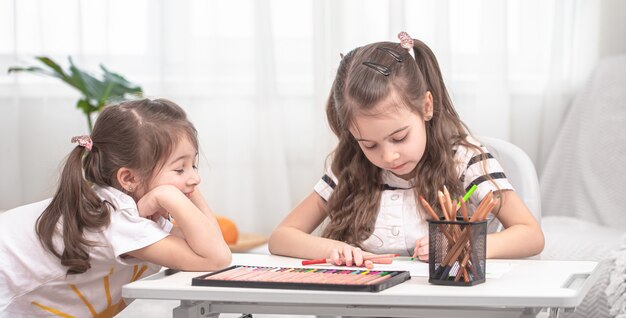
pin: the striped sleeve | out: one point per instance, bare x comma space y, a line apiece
476, 168
326, 185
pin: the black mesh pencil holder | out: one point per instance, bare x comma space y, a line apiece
457, 252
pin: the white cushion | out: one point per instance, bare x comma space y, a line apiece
569, 238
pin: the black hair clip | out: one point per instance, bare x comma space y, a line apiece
378, 68
396, 56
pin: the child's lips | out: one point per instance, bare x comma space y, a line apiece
398, 166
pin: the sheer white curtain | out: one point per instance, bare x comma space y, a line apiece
254, 76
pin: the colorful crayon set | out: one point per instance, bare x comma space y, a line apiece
458, 242
303, 278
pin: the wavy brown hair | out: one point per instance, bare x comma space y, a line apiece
358, 88
139, 135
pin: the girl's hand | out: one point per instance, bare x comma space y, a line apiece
151, 204
354, 256
421, 248
348, 256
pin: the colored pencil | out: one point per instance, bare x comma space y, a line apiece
443, 205
468, 194
464, 210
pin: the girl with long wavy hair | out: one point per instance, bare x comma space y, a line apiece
399, 137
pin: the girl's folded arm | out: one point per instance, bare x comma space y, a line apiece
174, 252
203, 247
198, 200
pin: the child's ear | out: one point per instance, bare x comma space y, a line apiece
428, 106
128, 179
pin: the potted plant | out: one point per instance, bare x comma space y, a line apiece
96, 93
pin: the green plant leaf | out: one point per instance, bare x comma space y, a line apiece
85, 106
105, 96
31, 69
96, 93
122, 87
85, 83
58, 71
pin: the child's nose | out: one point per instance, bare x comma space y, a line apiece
194, 179
390, 155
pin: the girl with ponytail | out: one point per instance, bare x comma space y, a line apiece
399, 138
108, 223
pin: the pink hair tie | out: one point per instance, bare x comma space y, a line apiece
83, 141
406, 41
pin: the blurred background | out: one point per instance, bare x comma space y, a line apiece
254, 76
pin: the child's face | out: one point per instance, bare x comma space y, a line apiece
393, 139
179, 169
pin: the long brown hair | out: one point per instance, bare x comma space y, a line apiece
139, 135
353, 206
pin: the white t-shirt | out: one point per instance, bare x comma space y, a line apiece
401, 221
34, 283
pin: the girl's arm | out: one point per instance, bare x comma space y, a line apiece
202, 248
292, 237
522, 236
198, 200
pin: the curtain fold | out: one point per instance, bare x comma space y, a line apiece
574, 52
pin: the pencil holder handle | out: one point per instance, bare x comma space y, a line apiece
457, 252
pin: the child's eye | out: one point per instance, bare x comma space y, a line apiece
366, 146
195, 167
179, 171
399, 139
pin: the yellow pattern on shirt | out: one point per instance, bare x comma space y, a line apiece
110, 310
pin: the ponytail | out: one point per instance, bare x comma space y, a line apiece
428, 65
76, 207
445, 131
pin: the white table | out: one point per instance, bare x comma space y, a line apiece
529, 286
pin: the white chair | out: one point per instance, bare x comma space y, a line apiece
520, 171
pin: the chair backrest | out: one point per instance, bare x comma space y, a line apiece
520, 171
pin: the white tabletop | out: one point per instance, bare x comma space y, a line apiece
529, 283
